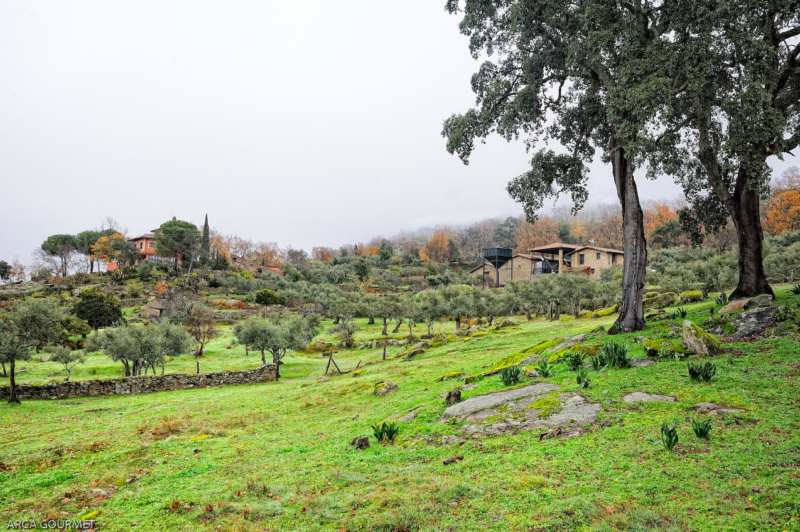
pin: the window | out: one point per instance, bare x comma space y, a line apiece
259, 270
598, 256
581, 259
592, 271
150, 244
613, 259
141, 245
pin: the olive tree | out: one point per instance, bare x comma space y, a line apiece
201, 326
26, 325
140, 348
278, 334
66, 357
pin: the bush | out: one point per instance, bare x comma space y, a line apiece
267, 297
145, 270
511, 375
134, 290
98, 309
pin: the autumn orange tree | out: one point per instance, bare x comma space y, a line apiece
114, 248
530, 235
322, 253
438, 248
782, 212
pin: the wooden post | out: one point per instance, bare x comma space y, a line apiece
384, 349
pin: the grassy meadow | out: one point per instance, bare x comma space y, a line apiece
276, 456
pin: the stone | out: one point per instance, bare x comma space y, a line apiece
639, 339
322, 379
450, 376
751, 322
642, 363
665, 300
478, 403
411, 415
713, 408
414, 350
468, 387
360, 442
451, 440
453, 396
734, 305
532, 374
452, 460
636, 397
692, 296
384, 388
535, 406
759, 301
698, 341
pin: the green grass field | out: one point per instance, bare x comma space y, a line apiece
277, 456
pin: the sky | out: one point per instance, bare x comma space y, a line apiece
304, 122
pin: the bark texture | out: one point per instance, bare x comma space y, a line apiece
631, 314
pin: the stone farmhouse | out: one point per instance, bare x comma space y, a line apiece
552, 258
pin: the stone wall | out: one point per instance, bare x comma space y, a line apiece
142, 384
134, 302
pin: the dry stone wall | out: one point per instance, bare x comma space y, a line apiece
141, 384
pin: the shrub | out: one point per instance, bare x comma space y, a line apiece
721, 300
669, 436
796, 289
511, 375
598, 362
583, 378
615, 355
98, 309
145, 270
701, 428
702, 372
385, 432
573, 360
134, 290
267, 297
544, 369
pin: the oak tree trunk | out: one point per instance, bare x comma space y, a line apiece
385, 325
745, 210
631, 313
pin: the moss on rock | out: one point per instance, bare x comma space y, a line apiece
691, 296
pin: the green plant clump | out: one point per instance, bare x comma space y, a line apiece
544, 369
583, 378
615, 355
511, 375
701, 428
386, 432
573, 360
669, 436
702, 372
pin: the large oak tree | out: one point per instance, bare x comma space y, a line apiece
584, 74
736, 107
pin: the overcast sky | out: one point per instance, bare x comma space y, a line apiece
302, 122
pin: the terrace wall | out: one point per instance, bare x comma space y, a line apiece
141, 384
